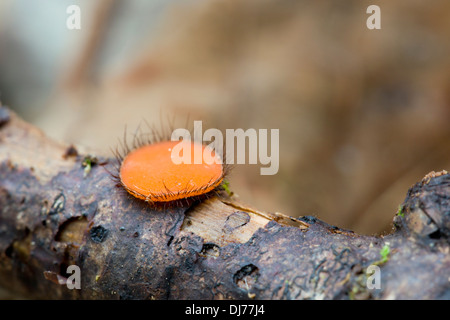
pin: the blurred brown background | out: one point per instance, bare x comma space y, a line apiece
363, 114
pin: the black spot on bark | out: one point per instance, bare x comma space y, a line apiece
170, 241
308, 219
98, 234
71, 151
9, 251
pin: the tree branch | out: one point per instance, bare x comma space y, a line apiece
53, 215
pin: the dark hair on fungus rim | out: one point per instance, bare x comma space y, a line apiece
165, 196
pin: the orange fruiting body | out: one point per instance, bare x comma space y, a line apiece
149, 172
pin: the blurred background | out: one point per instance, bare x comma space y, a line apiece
363, 114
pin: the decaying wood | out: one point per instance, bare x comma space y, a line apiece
53, 214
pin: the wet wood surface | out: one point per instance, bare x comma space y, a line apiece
54, 213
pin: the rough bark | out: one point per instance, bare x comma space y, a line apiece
54, 213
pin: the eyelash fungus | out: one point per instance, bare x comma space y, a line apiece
145, 169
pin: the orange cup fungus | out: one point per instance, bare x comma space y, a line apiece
150, 173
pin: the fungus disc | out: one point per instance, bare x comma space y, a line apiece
150, 173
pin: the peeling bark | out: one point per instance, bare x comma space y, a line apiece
53, 215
